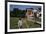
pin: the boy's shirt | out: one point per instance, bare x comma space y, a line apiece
19, 22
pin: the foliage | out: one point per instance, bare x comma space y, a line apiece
17, 13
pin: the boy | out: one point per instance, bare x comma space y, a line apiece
20, 23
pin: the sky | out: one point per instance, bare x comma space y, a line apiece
23, 7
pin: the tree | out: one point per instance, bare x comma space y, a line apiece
39, 9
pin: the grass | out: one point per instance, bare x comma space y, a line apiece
13, 22
28, 24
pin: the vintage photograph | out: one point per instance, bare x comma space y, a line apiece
25, 16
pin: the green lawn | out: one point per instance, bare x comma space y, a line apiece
28, 24
13, 22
